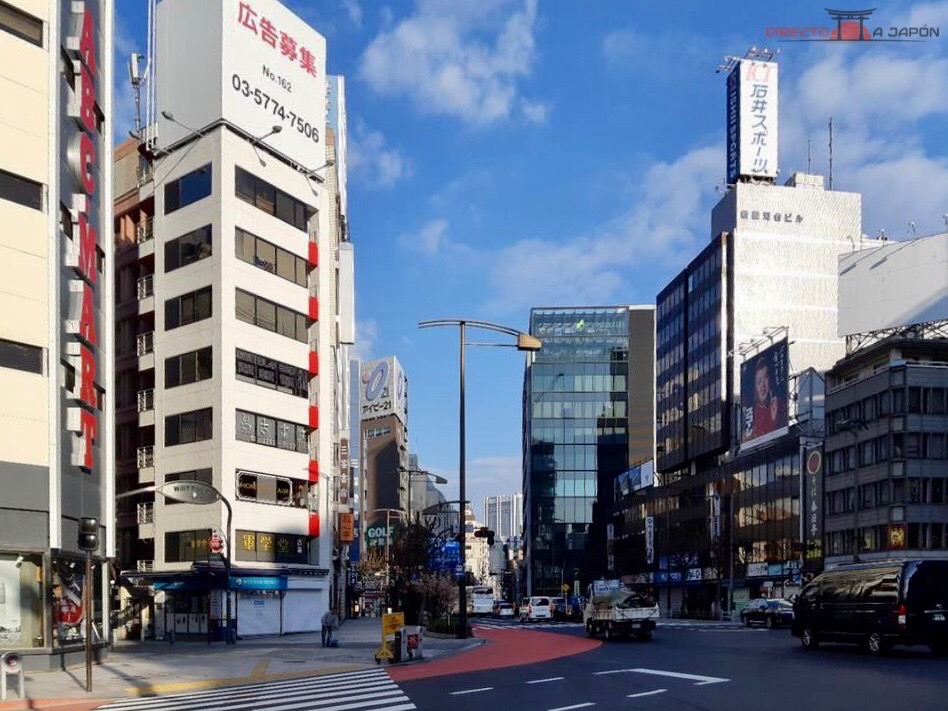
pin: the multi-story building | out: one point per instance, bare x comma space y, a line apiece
504, 516
588, 412
886, 457
476, 551
56, 324
235, 309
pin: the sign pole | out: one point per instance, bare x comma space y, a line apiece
88, 606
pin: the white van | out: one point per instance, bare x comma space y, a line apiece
536, 608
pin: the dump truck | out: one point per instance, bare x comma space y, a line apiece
614, 611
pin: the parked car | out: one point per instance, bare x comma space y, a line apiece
770, 613
503, 609
876, 605
558, 608
535, 608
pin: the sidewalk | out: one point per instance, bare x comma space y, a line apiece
156, 668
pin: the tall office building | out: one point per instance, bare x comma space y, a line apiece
235, 308
503, 514
56, 323
588, 412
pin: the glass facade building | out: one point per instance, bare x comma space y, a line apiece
577, 435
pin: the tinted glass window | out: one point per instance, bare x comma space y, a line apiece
188, 188
188, 308
272, 201
926, 585
188, 427
21, 25
188, 248
21, 190
20, 356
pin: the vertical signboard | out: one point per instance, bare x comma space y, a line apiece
764, 391
650, 540
752, 120
813, 509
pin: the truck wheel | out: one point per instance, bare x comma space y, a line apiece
771, 623
876, 644
808, 639
590, 630
610, 632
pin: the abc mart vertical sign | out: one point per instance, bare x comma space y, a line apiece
84, 193
752, 120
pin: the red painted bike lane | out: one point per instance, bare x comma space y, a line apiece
503, 649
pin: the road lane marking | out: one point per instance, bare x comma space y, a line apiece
471, 691
614, 671
575, 706
543, 681
647, 693
701, 680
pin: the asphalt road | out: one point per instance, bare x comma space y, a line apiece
698, 666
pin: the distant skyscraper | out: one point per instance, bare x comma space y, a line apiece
504, 515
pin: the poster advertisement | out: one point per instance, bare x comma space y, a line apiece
764, 390
68, 582
10, 625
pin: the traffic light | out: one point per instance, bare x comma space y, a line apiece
485, 532
89, 534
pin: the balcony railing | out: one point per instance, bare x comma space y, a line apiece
146, 230
146, 400
146, 512
145, 566
146, 457
145, 343
146, 286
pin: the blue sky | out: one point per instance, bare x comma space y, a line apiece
508, 153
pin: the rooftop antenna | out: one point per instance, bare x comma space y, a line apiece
882, 235
912, 229
831, 154
945, 218
135, 77
809, 141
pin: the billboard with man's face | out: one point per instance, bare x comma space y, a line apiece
764, 391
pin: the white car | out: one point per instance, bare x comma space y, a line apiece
536, 608
503, 609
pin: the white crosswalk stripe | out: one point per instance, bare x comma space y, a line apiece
370, 690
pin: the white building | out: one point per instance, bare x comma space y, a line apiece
239, 322
504, 516
56, 322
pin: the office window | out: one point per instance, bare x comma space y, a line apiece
188, 248
271, 432
20, 190
188, 427
21, 25
20, 356
189, 368
205, 476
187, 546
272, 201
270, 489
270, 316
188, 188
188, 308
273, 374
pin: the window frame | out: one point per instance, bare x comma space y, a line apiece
15, 11
257, 300
12, 186
14, 356
192, 300
174, 247
175, 187
173, 423
178, 361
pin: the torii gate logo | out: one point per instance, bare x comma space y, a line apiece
850, 26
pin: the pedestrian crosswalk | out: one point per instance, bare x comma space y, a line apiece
355, 691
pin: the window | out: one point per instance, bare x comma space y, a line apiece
271, 432
187, 546
259, 370
188, 248
188, 308
21, 25
264, 547
189, 368
205, 476
22, 191
188, 188
272, 317
264, 196
269, 489
20, 356
188, 427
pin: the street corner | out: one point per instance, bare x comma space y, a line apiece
501, 648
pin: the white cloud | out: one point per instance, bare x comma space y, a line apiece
432, 241
456, 59
354, 10
535, 111
668, 219
367, 334
373, 161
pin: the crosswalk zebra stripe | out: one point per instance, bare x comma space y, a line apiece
371, 690
333, 680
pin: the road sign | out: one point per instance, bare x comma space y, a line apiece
217, 544
392, 623
565, 587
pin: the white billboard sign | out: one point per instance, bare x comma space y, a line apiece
899, 284
383, 389
251, 62
752, 120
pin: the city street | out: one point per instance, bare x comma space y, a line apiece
696, 665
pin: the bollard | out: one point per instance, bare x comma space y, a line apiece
398, 647
11, 664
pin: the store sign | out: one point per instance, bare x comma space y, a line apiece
257, 583
190, 492
813, 509
752, 120
81, 342
897, 536
650, 540
756, 570
346, 528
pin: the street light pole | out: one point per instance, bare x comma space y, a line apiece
525, 342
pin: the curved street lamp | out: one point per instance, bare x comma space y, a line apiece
196, 492
525, 342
